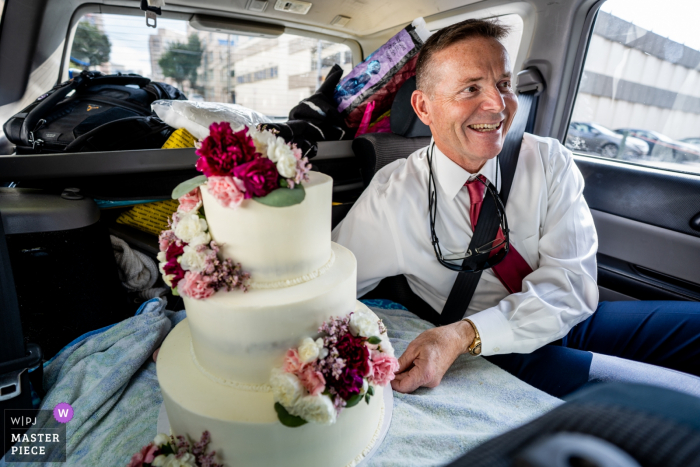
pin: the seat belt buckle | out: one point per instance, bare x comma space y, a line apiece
11, 372
11, 384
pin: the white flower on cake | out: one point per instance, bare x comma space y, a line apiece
363, 323
279, 152
186, 460
286, 388
310, 350
317, 409
192, 229
287, 166
193, 259
385, 345
261, 139
161, 439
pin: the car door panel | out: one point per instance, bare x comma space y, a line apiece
647, 248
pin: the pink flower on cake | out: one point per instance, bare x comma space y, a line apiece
292, 364
165, 238
384, 368
223, 150
196, 286
228, 191
259, 176
145, 456
313, 380
190, 201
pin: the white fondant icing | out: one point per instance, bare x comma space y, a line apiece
297, 280
240, 336
275, 244
244, 428
225, 382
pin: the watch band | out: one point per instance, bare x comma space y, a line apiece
475, 347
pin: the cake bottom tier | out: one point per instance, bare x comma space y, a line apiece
243, 425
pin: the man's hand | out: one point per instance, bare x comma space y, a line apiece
430, 355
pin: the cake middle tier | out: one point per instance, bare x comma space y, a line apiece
277, 246
238, 337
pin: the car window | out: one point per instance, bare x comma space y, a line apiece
269, 75
640, 81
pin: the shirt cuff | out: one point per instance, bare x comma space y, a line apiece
494, 331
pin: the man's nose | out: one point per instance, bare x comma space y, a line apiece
493, 100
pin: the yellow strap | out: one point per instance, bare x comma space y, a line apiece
150, 217
180, 138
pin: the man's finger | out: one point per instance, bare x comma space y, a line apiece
406, 359
408, 382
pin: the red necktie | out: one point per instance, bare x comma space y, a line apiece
513, 269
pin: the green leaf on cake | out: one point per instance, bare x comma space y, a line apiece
367, 398
283, 197
353, 401
374, 340
370, 390
286, 418
188, 185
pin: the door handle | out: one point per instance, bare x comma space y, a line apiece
695, 222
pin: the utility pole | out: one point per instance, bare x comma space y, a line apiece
228, 67
319, 48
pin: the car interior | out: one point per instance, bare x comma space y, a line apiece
591, 62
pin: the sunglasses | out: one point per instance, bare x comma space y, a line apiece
478, 259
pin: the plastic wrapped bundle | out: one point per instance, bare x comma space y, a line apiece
367, 92
196, 117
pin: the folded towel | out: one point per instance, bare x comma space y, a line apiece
475, 401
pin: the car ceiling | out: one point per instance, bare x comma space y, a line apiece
367, 16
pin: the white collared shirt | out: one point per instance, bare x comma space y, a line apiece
388, 230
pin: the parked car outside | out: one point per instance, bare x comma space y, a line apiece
663, 148
694, 141
596, 139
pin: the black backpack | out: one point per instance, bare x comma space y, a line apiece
93, 112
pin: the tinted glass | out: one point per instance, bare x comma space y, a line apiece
640, 80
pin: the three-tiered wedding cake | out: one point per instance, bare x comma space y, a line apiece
215, 367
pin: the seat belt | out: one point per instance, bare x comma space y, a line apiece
14, 360
530, 85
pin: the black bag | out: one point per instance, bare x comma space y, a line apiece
93, 112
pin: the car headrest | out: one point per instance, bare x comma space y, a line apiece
404, 121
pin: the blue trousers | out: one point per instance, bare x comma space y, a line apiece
662, 333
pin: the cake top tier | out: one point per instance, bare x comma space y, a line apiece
278, 246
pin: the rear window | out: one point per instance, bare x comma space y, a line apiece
269, 75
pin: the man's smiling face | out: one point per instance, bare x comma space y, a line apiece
468, 101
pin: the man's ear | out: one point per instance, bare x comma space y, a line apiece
419, 101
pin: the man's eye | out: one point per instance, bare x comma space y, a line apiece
471, 89
505, 85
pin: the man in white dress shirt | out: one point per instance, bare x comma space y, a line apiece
465, 95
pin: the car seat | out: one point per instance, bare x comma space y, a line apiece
408, 134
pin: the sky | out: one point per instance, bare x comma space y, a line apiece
129, 38
678, 20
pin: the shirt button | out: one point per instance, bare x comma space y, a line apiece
496, 349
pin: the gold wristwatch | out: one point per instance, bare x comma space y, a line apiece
475, 347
